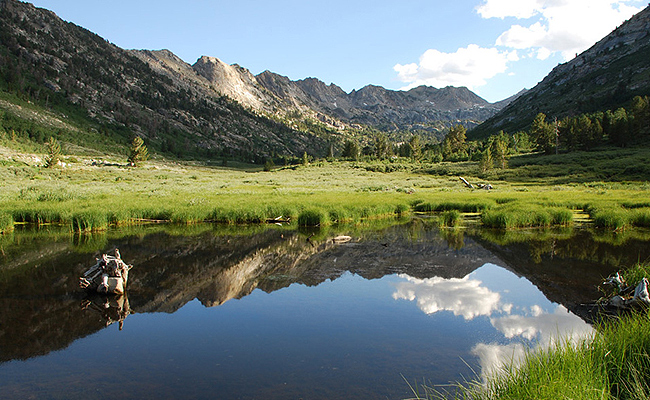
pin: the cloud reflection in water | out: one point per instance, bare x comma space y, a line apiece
522, 326
464, 297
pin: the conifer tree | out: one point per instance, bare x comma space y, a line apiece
53, 153
139, 152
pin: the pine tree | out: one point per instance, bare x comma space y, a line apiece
486, 163
53, 153
139, 152
351, 150
543, 134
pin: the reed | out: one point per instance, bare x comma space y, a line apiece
610, 218
451, 218
89, 221
313, 217
6, 223
507, 217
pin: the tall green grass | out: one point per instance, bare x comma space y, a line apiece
91, 220
313, 217
613, 216
451, 218
6, 223
507, 217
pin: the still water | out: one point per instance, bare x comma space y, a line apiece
274, 313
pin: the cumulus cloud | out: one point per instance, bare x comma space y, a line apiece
567, 27
543, 28
494, 357
470, 66
544, 329
542, 326
464, 297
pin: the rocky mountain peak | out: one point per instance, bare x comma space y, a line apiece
232, 81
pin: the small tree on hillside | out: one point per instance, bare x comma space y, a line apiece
53, 153
139, 152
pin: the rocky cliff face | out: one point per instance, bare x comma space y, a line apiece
606, 76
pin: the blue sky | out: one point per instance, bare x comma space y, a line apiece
494, 47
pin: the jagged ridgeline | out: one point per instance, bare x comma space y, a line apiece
92, 93
605, 77
101, 96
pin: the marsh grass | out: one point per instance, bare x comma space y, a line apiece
89, 221
519, 216
451, 218
188, 194
615, 216
6, 223
313, 217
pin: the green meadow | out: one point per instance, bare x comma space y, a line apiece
90, 197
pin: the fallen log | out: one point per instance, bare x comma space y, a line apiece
469, 185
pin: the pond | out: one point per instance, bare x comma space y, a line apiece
277, 313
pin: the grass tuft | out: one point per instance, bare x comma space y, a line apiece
6, 223
88, 221
313, 217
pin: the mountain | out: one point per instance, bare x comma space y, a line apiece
606, 76
210, 108
272, 94
111, 92
423, 107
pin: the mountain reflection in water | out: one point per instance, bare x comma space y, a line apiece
314, 319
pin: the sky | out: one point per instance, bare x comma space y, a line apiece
494, 47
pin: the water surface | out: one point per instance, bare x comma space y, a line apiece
265, 313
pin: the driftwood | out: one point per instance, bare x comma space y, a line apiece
480, 185
111, 308
109, 275
469, 185
278, 220
628, 296
341, 239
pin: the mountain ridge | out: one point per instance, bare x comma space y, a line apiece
605, 76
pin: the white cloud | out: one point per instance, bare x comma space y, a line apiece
543, 329
465, 297
508, 8
493, 358
470, 66
542, 326
567, 27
